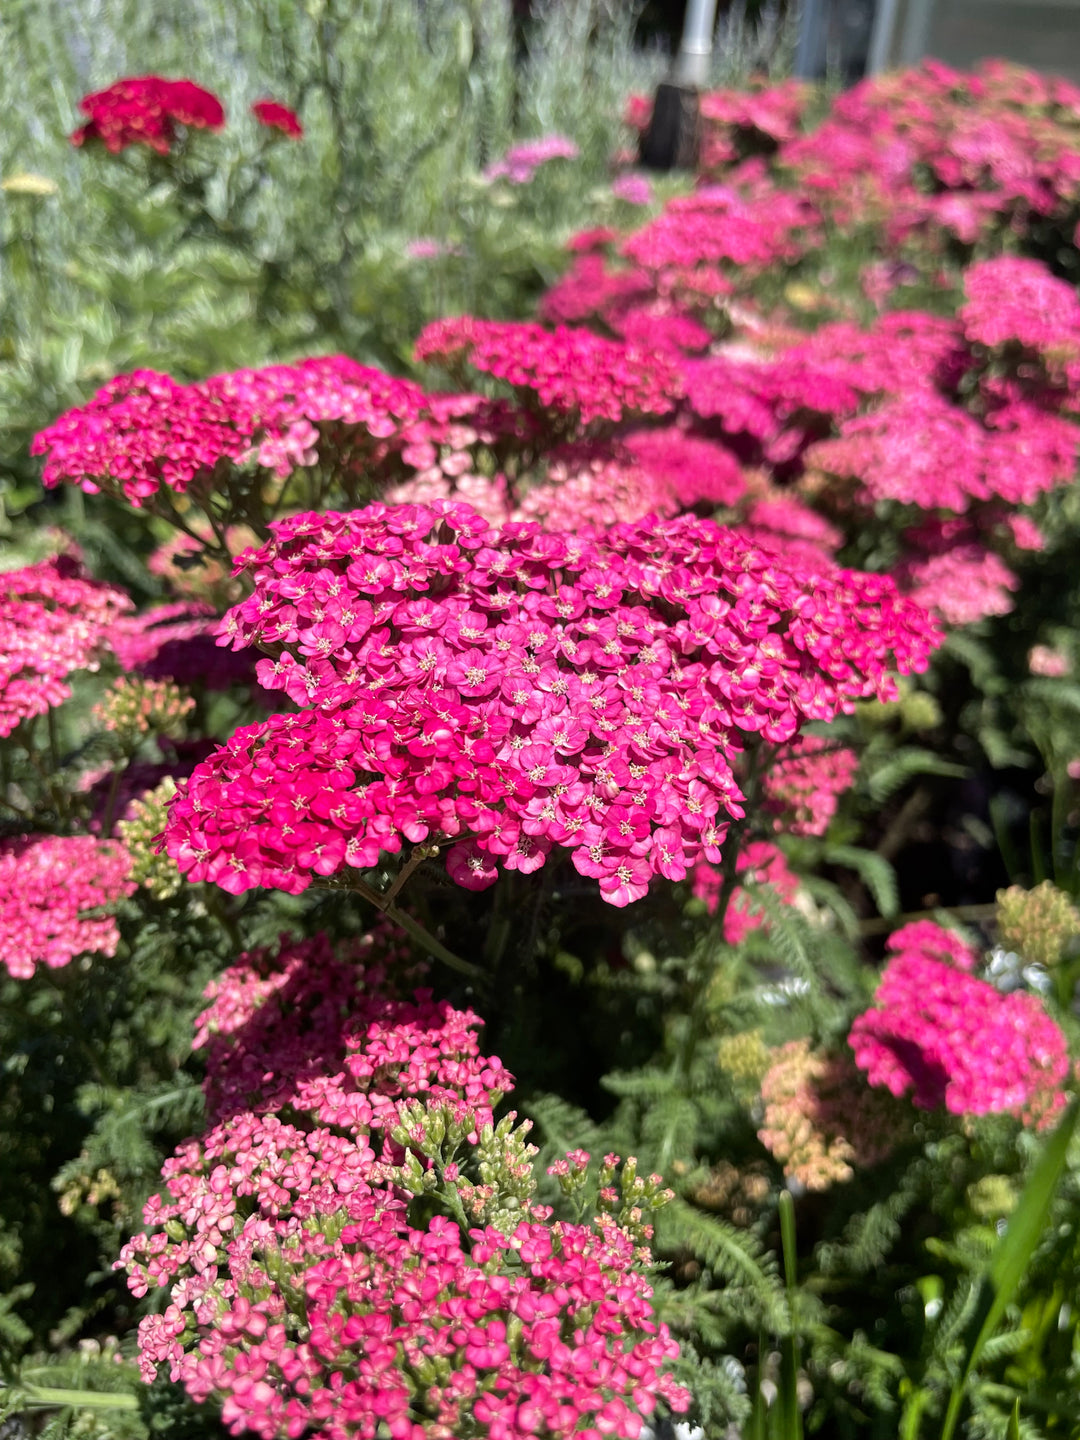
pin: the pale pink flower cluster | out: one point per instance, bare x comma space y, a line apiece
1011, 300
306, 1298
947, 1038
48, 882
821, 1120
507, 691
802, 787
521, 162
659, 471
634, 189
1048, 661
922, 450
964, 585
53, 620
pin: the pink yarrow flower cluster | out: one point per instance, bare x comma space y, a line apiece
48, 882
949, 1039
803, 786
521, 162
53, 620
305, 1298
570, 370
504, 692
144, 432
759, 863
330, 1032
145, 110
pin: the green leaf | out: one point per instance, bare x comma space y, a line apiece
873, 870
905, 763
1011, 1256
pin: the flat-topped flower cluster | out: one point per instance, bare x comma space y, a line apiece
510, 690
948, 1039
49, 884
304, 1294
145, 110
54, 620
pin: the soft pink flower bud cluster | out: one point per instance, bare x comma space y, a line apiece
963, 586
950, 1039
304, 1298
1048, 661
135, 708
48, 882
518, 689
53, 620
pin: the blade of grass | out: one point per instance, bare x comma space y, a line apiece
756, 1425
1012, 1254
1013, 1432
790, 1416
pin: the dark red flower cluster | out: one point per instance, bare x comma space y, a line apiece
145, 110
275, 116
53, 620
305, 1296
510, 690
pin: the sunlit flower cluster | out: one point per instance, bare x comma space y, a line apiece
570, 371
304, 1294
821, 1119
513, 690
145, 432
